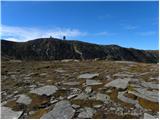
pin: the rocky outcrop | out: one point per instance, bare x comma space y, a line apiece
56, 49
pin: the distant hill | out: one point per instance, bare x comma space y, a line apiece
57, 49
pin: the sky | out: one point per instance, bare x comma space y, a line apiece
128, 24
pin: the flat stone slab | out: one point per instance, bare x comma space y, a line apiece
8, 113
93, 82
71, 83
45, 90
148, 116
119, 83
23, 99
146, 94
88, 75
82, 96
86, 113
60, 70
62, 110
126, 99
123, 75
102, 97
149, 85
125, 62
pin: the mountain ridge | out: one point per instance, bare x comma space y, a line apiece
58, 49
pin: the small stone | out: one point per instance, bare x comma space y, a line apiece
82, 96
75, 106
97, 106
86, 113
61, 98
71, 83
112, 108
148, 116
60, 70
88, 89
102, 97
71, 96
53, 101
43, 74
23, 99
88, 75
93, 82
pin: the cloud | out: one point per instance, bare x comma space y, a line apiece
103, 34
128, 26
15, 33
147, 33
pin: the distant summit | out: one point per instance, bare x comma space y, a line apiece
58, 49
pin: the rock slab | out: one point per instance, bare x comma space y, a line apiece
8, 113
45, 90
23, 99
62, 110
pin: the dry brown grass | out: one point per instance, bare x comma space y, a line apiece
149, 105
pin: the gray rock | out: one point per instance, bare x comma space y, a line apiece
119, 83
45, 90
53, 101
67, 60
8, 113
86, 113
71, 83
75, 91
23, 99
93, 82
43, 74
82, 96
123, 75
60, 70
71, 96
112, 109
88, 75
62, 110
97, 106
149, 85
126, 99
102, 97
88, 89
148, 116
146, 94
75, 106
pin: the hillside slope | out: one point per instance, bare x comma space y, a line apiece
57, 49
